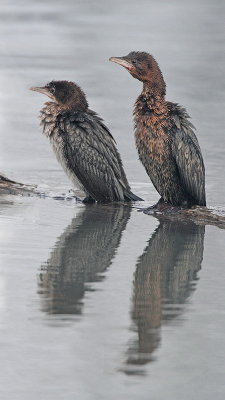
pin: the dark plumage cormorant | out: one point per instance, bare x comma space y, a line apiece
83, 144
165, 139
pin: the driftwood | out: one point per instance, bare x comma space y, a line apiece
198, 215
7, 186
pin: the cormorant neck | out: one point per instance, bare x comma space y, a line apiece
154, 97
153, 82
76, 105
154, 89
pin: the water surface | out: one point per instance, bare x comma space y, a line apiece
104, 302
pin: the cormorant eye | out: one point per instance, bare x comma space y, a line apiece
52, 89
134, 62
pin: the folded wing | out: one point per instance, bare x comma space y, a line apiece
92, 155
189, 161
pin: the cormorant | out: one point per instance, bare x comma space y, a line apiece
83, 144
165, 138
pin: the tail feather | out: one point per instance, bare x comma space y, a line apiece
129, 196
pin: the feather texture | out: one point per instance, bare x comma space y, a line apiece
170, 153
87, 152
165, 138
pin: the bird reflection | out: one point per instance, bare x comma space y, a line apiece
82, 253
164, 278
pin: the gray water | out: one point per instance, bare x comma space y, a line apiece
104, 302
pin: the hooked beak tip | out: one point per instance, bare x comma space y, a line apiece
123, 62
114, 59
43, 90
38, 89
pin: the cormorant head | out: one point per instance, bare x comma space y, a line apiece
143, 67
67, 94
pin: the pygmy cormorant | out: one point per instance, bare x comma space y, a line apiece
165, 138
83, 144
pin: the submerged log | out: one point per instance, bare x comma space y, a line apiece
8, 186
199, 215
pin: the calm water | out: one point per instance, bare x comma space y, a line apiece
103, 302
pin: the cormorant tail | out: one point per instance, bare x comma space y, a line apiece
129, 196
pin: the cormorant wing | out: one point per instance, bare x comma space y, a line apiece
91, 154
189, 161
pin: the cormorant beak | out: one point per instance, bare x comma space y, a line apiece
123, 62
43, 90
